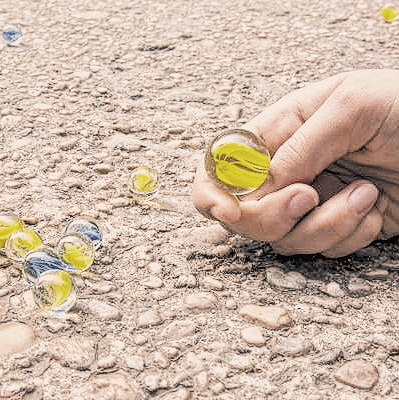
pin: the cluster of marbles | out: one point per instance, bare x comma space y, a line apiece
49, 270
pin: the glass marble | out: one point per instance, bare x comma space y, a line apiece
76, 250
389, 12
54, 292
41, 260
237, 161
9, 224
88, 228
143, 182
20, 243
12, 35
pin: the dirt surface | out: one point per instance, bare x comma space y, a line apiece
97, 87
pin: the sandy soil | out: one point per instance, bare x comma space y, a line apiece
98, 87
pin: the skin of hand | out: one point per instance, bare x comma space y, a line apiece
334, 176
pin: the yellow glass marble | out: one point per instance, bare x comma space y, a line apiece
144, 182
77, 250
9, 224
237, 161
20, 243
389, 12
54, 291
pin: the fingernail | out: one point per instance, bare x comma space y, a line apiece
301, 204
363, 197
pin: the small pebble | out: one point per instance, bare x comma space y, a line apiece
103, 310
253, 335
106, 362
292, 347
201, 301
358, 373
161, 360
333, 289
154, 268
189, 281
135, 362
15, 337
77, 352
104, 168
180, 329
271, 317
291, 280
241, 362
152, 282
358, 287
140, 339
149, 318
211, 283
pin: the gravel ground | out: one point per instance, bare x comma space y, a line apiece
174, 308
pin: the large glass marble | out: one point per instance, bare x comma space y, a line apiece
41, 260
20, 243
237, 161
12, 35
54, 291
77, 250
9, 224
88, 228
143, 182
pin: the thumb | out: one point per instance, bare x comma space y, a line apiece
324, 137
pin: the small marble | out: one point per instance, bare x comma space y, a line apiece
54, 291
9, 223
20, 243
143, 182
87, 227
76, 250
12, 35
41, 260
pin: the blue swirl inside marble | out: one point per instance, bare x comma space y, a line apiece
88, 229
39, 261
11, 34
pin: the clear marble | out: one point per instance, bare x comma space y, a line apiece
87, 227
54, 291
144, 182
77, 250
237, 161
41, 260
9, 223
12, 35
20, 243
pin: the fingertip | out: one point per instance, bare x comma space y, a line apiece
304, 199
363, 197
227, 213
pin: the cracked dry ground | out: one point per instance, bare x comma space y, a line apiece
174, 307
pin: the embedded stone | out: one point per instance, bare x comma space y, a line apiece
271, 317
15, 337
201, 301
358, 373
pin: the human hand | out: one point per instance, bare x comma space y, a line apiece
334, 172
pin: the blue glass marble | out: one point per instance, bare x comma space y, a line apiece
44, 259
88, 228
12, 35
